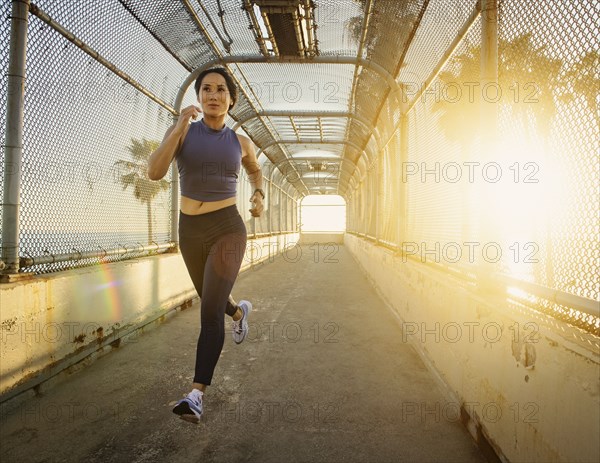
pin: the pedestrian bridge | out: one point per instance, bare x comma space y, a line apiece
425, 273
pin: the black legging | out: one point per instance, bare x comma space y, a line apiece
212, 246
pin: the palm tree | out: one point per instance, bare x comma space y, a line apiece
520, 64
400, 10
136, 175
585, 78
456, 115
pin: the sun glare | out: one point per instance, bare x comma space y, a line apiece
518, 201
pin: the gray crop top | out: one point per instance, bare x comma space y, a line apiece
209, 163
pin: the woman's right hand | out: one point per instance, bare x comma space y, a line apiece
190, 112
161, 157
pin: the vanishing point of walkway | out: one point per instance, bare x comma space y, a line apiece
323, 377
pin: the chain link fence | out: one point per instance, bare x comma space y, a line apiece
526, 207
417, 175
88, 133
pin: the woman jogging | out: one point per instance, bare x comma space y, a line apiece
212, 234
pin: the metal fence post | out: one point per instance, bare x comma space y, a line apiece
285, 213
489, 60
270, 194
279, 214
299, 208
378, 175
14, 141
489, 121
403, 193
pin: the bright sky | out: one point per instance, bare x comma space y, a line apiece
323, 213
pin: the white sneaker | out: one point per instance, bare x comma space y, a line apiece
190, 408
240, 327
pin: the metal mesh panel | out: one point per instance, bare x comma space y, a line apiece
563, 119
441, 23
174, 26
295, 87
390, 196
334, 33
390, 23
551, 139
72, 180
437, 205
84, 186
144, 58
231, 34
554, 124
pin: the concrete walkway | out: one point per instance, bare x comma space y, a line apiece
323, 377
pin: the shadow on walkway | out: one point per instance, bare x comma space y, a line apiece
323, 377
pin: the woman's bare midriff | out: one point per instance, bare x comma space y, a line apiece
191, 206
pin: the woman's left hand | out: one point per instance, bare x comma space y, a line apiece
257, 201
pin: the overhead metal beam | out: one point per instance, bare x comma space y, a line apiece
312, 45
296, 131
298, 27
259, 38
343, 165
245, 59
368, 12
332, 114
267, 23
309, 142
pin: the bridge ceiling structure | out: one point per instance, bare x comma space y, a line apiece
384, 102
308, 70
